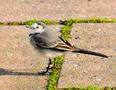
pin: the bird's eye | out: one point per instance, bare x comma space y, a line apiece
37, 27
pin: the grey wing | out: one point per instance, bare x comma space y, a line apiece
61, 44
39, 41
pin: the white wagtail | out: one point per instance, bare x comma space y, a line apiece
43, 37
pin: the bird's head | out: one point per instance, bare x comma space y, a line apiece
37, 27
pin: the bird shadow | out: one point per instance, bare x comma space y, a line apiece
14, 73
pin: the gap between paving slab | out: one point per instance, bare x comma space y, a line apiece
83, 70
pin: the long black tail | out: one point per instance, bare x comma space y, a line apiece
78, 50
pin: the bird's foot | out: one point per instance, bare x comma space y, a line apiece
46, 72
48, 69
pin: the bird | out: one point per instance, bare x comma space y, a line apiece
43, 38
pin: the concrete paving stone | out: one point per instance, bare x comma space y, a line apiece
19, 61
83, 70
22, 82
18, 10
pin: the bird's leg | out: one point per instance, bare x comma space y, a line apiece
47, 68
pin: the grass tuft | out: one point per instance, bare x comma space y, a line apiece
55, 73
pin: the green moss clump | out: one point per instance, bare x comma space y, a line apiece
55, 73
95, 20
1, 23
70, 21
88, 88
113, 20
47, 22
67, 22
30, 22
14, 23
65, 32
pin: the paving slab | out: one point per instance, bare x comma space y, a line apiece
18, 10
83, 70
19, 61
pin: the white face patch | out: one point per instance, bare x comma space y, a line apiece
36, 28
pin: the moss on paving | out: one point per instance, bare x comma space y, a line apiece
48, 22
30, 22
65, 32
88, 88
58, 61
1, 23
55, 73
67, 22
70, 21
